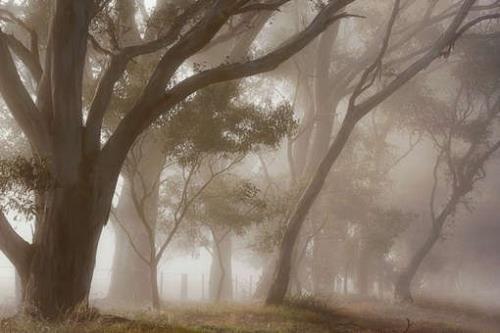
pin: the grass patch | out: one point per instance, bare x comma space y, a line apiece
302, 314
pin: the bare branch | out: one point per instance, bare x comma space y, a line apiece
436, 51
271, 6
26, 56
186, 202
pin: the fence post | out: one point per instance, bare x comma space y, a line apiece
161, 284
235, 296
250, 287
184, 287
202, 287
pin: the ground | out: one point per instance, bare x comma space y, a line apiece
303, 315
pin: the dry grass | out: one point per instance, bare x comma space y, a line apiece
299, 315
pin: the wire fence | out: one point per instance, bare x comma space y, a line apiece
172, 285
179, 286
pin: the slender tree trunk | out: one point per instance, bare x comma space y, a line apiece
402, 289
154, 286
326, 107
281, 280
346, 279
221, 288
403, 284
363, 277
279, 287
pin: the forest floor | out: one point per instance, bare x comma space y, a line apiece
343, 315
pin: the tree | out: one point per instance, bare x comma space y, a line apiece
210, 134
245, 29
229, 207
355, 112
57, 268
464, 134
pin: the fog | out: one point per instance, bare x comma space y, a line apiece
251, 158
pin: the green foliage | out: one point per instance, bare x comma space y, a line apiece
20, 180
216, 121
269, 235
231, 202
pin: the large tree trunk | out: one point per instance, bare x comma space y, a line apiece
141, 179
220, 285
65, 245
128, 268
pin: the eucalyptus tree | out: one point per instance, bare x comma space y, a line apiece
465, 135
127, 265
210, 135
84, 162
363, 98
231, 205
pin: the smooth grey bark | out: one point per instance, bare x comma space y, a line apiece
128, 268
135, 224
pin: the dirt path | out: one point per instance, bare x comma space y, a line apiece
422, 317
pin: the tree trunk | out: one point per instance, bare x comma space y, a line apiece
346, 279
128, 269
265, 279
65, 245
355, 112
220, 285
363, 277
402, 290
281, 280
323, 264
144, 167
154, 286
403, 284
326, 108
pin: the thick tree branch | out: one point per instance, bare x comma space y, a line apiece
138, 119
185, 46
20, 103
15, 248
271, 5
26, 56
